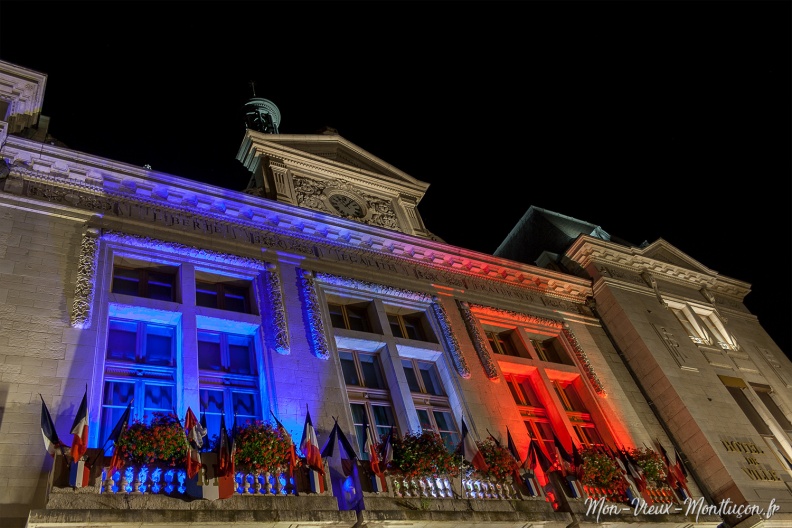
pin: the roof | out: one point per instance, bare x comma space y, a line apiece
540, 231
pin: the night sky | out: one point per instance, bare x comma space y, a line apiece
653, 120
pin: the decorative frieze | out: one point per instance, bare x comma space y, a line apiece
183, 250
479, 341
518, 316
240, 223
86, 277
372, 287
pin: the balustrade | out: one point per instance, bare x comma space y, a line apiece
144, 479
154, 480
441, 488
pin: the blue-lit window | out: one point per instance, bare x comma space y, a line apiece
224, 296
140, 342
229, 384
152, 283
237, 405
224, 352
148, 396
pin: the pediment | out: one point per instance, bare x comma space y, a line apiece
664, 252
343, 154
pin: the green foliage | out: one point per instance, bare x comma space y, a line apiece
423, 455
260, 448
599, 469
161, 442
500, 461
651, 463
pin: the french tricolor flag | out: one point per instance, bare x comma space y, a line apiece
470, 450
80, 429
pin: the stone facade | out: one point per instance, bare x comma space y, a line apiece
170, 294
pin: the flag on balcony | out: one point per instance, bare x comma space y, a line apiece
519, 462
564, 458
370, 446
386, 450
538, 457
309, 445
51, 441
469, 449
120, 428
633, 470
344, 475
292, 448
225, 462
538, 462
684, 472
121, 425
194, 432
677, 475
513, 448
232, 442
80, 429
671, 474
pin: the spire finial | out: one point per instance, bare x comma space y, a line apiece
253, 87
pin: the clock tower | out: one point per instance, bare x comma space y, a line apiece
326, 173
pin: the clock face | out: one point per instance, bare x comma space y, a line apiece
346, 206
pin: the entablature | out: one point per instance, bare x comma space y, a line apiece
134, 194
630, 262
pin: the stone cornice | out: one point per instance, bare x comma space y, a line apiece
87, 184
586, 251
283, 146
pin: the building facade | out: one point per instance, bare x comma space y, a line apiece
318, 289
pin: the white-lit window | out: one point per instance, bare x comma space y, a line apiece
431, 402
694, 327
369, 398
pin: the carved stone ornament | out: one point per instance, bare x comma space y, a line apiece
372, 287
585, 363
452, 345
479, 341
651, 281
86, 275
279, 325
313, 315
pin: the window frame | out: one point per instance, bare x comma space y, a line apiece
361, 309
144, 274
504, 342
221, 291
413, 320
